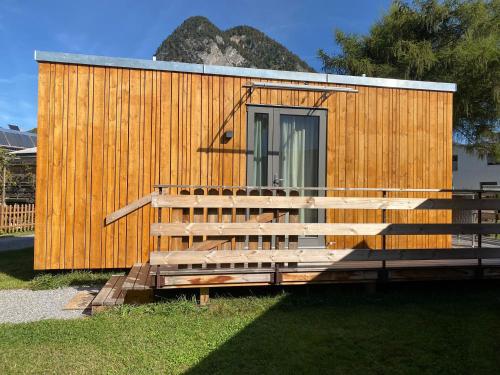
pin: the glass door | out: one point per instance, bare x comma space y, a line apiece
287, 147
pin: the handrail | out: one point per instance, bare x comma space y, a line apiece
317, 229
129, 208
300, 202
190, 256
315, 188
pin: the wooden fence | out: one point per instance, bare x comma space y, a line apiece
17, 218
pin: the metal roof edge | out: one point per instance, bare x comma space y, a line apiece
392, 83
119, 62
70, 58
265, 73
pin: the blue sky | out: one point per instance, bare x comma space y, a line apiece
135, 29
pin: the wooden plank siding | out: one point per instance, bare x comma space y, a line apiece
107, 135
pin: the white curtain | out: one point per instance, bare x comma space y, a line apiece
299, 155
261, 137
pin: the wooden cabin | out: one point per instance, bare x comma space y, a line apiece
110, 129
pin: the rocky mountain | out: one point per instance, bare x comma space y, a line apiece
197, 40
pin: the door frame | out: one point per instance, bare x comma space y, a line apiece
274, 113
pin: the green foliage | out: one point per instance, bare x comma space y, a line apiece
5, 175
449, 41
43, 281
5, 158
20, 178
196, 36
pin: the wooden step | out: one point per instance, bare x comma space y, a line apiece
139, 277
112, 294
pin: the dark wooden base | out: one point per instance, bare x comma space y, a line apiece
138, 287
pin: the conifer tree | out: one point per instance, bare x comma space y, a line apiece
448, 41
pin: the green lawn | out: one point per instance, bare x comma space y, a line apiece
443, 328
15, 234
429, 329
16, 271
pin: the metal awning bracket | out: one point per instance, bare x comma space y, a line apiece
303, 87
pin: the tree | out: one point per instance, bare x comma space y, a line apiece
448, 41
17, 179
5, 176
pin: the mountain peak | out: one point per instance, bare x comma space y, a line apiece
197, 40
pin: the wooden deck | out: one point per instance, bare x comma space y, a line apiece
342, 272
138, 286
230, 240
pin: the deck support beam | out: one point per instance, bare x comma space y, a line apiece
204, 296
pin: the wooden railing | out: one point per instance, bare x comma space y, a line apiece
17, 218
237, 218
233, 217
230, 236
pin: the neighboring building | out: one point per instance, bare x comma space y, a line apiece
472, 172
22, 168
15, 139
17, 180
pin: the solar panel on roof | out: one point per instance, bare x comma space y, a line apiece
26, 141
15, 139
3, 140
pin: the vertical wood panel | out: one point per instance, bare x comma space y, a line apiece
111, 162
71, 171
133, 164
97, 169
148, 164
41, 224
56, 160
81, 161
124, 151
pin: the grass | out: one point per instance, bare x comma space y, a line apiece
445, 328
438, 328
16, 234
16, 271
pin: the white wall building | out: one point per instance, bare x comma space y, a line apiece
472, 172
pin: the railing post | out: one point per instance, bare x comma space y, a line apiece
160, 192
384, 219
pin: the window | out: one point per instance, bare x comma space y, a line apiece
487, 185
455, 163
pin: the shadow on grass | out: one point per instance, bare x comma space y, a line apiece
18, 264
16, 271
405, 328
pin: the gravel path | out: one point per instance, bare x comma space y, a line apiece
16, 242
21, 305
